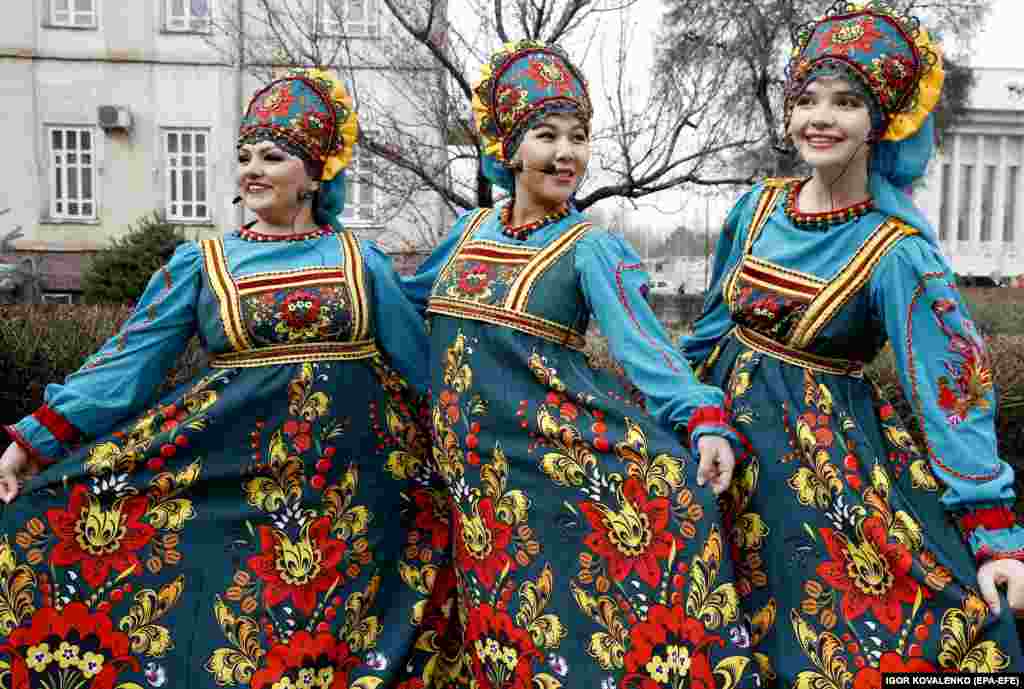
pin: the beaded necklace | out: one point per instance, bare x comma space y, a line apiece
825, 219
521, 232
251, 235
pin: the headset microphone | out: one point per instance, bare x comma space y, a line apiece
519, 166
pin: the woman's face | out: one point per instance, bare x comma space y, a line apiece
270, 180
831, 125
554, 155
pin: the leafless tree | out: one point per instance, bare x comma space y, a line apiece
419, 129
746, 43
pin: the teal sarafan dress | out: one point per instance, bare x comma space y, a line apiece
586, 554
271, 523
856, 548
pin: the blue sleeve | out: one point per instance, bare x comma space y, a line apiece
614, 283
417, 287
123, 376
945, 372
399, 328
715, 320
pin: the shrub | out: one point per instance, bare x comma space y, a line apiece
44, 343
996, 311
119, 275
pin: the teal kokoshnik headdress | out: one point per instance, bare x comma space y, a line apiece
893, 60
309, 114
521, 84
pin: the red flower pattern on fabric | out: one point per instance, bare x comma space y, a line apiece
502, 654
300, 570
848, 37
323, 658
432, 516
300, 309
635, 538
667, 648
276, 103
476, 278
550, 75
482, 540
871, 677
873, 574
52, 645
100, 538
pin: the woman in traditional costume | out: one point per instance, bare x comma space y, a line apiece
844, 525
587, 544
272, 522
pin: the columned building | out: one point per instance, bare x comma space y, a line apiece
974, 192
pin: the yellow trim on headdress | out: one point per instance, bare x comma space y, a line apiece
905, 124
348, 129
490, 144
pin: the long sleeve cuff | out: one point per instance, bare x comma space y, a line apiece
992, 532
712, 420
45, 434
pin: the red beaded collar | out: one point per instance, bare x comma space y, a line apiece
521, 232
823, 220
250, 235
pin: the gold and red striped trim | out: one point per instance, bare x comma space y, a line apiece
297, 353
227, 293
519, 294
765, 205
767, 276
300, 278
353, 261
471, 227
505, 317
821, 364
493, 252
849, 281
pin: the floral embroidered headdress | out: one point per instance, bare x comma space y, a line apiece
891, 56
309, 114
522, 83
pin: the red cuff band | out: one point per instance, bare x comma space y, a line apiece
60, 427
25, 445
986, 554
707, 415
990, 518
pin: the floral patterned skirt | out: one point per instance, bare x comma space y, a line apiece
261, 527
847, 564
586, 555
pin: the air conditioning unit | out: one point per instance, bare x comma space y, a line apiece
114, 117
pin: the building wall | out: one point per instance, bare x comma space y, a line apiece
52, 76
974, 191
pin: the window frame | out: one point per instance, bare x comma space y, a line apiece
95, 150
70, 23
329, 26
173, 170
353, 173
62, 298
189, 21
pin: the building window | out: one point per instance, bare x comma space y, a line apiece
187, 155
361, 199
356, 18
1010, 212
188, 15
73, 13
58, 298
988, 202
963, 224
73, 173
947, 192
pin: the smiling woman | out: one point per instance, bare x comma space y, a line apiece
276, 517
850, 562
581, 511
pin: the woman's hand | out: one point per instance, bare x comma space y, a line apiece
1009, 572
16, 465
716, 462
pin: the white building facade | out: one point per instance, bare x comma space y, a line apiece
974, 192
114, 109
